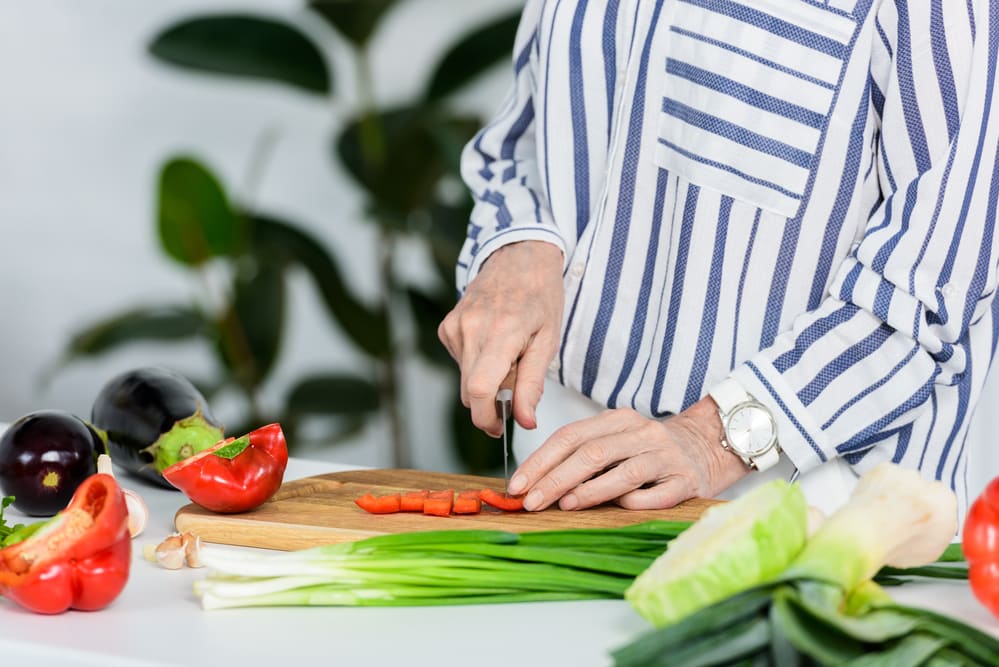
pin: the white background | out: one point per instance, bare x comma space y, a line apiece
87, 118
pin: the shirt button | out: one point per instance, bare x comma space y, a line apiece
577, 270
554, 366
948, 290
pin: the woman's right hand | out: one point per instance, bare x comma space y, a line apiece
509, 318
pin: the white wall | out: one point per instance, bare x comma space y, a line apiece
87, 118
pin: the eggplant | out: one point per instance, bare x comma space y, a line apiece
44, 457
153, 418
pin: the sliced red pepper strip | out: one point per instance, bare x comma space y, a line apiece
439, 503
502, 501
387, 504
235, 475
79, 559
412, 501
468, 502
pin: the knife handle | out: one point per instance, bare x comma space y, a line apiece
504, 397
510, 380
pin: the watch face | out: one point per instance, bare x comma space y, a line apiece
750, 430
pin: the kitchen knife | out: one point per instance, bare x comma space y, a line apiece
504, 405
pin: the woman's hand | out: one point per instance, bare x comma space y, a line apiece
509, 318
637, 462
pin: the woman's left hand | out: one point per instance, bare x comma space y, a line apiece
625, 457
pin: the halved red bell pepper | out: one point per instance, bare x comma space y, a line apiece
502, 501
79, 559
387, 504
235, 475
980, 544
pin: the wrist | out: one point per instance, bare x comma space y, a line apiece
704, 421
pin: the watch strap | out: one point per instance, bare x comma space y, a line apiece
767, 459
727, 394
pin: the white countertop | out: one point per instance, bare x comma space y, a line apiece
157, 621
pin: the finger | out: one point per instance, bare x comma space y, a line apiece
484, 376
611, 483
450, 337
669, 492
531, 371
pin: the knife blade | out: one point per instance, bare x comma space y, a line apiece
504, 404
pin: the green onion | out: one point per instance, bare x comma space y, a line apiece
439, 567
447, 567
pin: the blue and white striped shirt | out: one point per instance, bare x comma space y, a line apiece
795, 193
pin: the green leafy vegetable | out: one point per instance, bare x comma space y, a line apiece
825, 608
733, 547
18, 532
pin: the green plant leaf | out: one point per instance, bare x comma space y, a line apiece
417, 148
445, 235
250, 330
477, 451
332, 395
428, 311
195, 221
155, 323
367, 328
473, 55
354, 19
245, 46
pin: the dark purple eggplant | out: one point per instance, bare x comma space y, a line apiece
153, 418
44, 457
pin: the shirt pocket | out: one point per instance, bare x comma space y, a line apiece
747, 95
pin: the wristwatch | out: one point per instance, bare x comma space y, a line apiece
749, 429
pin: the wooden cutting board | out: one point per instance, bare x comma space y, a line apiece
320, 510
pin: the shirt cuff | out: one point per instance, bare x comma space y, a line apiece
508, 236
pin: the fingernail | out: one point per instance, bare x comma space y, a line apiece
569, 502
517, 484
533, 500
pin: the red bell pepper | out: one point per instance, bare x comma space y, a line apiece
79, 559
387, 504
235, 475
439, 503
502, 501
980, 543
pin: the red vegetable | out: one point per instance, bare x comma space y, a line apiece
439, 503
379, 504
468, 502
412, 501
980, 543
502, 501
235, 475
79, 559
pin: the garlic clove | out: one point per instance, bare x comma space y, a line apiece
170, 552
138, 511
192, 549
